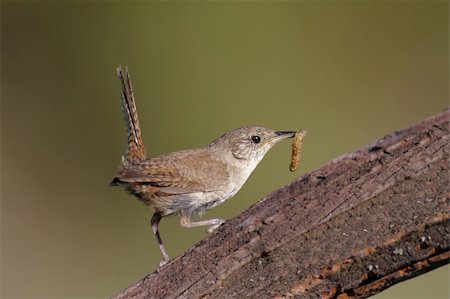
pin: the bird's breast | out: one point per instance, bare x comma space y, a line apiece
239, 175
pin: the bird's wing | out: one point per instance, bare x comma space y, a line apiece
179, 173
161, 180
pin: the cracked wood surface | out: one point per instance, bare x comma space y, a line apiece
364, 221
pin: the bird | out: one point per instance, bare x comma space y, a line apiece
191, 181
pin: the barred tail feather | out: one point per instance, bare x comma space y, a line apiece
135, 150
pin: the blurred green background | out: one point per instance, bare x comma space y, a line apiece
347, 71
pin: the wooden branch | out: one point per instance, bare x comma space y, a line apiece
359, 224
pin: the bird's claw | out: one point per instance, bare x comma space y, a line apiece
162, 264
212, 228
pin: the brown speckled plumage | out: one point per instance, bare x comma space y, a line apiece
136, 150
189, 181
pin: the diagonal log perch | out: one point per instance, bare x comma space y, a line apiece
359, 224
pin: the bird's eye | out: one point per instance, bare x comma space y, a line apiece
256, 139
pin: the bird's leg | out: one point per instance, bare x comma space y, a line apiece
186, 221
155, 221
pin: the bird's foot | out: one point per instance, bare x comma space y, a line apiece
212, 228
162, 264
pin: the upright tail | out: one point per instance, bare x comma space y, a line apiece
135, 150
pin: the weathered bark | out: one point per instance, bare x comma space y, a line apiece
359, 224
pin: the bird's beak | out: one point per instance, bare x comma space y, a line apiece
281, 135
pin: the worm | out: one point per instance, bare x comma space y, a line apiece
296, 150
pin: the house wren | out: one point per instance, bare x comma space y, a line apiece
189, 181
